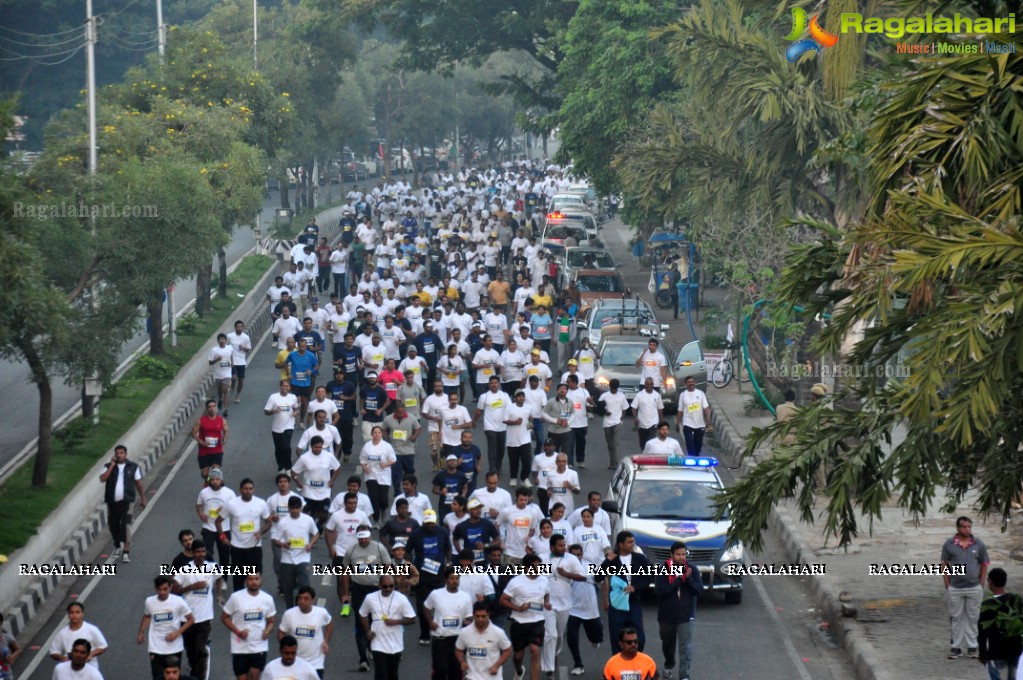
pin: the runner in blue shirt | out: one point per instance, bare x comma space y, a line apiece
302, 365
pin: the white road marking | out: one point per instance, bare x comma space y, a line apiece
790, 649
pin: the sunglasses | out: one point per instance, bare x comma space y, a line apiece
630, 642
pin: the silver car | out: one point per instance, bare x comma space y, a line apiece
618, 355
583, 258
621, 315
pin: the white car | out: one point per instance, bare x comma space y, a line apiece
664, 499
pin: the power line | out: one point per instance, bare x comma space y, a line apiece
41, 45
39, 59
40, 35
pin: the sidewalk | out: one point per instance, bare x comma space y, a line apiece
901, 627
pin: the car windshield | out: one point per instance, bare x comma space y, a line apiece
561, 231
597, 259
663, 499
599, 283
622, 354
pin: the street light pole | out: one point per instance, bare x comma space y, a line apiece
255, 34
160, 30
90, 83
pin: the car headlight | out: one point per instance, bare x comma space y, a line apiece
732, 553
602, 381
669, 382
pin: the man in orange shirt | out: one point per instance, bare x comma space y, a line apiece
499, 290
630, 663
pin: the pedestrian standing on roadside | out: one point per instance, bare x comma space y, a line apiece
999, 649
123, 481
963, 593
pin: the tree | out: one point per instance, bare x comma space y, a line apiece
611, 75
438, 35
930, 279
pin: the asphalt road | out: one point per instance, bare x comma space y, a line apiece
19, 398
771, 635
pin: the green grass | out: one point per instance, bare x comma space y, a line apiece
79, 445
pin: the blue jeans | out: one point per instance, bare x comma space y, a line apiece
1001, 669
618, 619
538, 433
677, 637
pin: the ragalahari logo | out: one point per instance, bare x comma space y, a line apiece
818, 36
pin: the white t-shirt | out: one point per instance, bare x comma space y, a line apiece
493, 502
517, 525
449, 418
387, 639
493, 406
600, 519
450, 610
451, 371
616, 405
518, 435
213, 504
331, 437
433, 404
543, 466
308, 630
558, 488
326, 405
238, 344
63, 671
65, 639
246, 520
669, 447
251, 613
363, 503
584, 595
315, 471
165, 617
489, 359
593, 540
542, 371
587, 363
477, 586
346, 526
417, 505
650, 366
561, 586
299, 533
285, 420
286, 328
647, 407
523, 589
200, 600
221, 358
577, 398
300, 669
482, 650
320, 318
373, 457
692, 405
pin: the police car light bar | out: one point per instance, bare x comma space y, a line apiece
676, 461
554, 216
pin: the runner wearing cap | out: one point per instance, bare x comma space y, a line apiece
365, 553
448, 483
429, 547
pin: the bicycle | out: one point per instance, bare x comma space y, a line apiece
724, 370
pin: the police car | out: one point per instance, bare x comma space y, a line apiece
663, 499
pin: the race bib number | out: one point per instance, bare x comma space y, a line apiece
532, 371
307, 632
431, 566
297, 543
317, 483
477, 652
536, 606
300, 375
391, 387
452, 376
577, 405
521, 523
213, 513
371, 404
541, 330
451, 422
212, 441
497, 403
692, 408
558, 489
448, 497
411, 402
285, 409
451, 622
375, 457
488, 371
586, 360
247, 527
630, 675
400, 435
225, 364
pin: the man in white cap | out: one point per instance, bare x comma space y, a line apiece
365, 554
429, 547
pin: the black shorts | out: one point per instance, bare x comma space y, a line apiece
312, 507
525, 634
238, 372
302, 391
242, 663
210, 460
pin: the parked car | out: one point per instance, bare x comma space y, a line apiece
583, 258
618, 355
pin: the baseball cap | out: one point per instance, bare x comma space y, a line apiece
573, 362
314, 299
548, 441
372, 374
430, 516
451, 456
474, 503
216, 473
536, 351
365, 533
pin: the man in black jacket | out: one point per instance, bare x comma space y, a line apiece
620, 590
123, 483
999, 652
676, 591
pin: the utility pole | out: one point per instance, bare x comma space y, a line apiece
255, 34
92, 388
161, 30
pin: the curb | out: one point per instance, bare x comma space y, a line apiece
850, 635
29, 600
